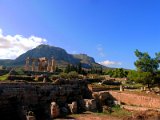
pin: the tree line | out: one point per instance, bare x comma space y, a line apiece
80, 70
147, 71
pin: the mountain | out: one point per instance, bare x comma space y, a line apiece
60, 55
86, 60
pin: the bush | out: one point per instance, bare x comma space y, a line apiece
64, 75
110, 82
54, 77
73, 75
38, 78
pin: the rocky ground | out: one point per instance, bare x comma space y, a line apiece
146, 115
91, 116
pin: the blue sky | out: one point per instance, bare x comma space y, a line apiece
108, 30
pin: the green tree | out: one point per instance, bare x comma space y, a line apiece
145, 78
147, 67
145, 63
58, 69
117, 73
79, 68
68, 68
157, 78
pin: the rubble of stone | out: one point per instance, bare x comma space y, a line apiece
49, 100
17, 98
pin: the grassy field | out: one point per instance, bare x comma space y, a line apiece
117, 114
3, 77
117, 111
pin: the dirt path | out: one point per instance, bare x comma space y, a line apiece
90, 116
96, 117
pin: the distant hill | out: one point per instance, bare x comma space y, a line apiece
60, 55
6, 62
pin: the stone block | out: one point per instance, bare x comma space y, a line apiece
90, 105
55, 112
73, 107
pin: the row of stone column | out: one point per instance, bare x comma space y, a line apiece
44, 65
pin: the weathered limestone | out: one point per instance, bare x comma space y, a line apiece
37, 95
116, 102
53, 65
27, 64
90, 105
44, 65
95, 95
73, 107
136, 99
103, 95
55, 112
121, 88
31, 118
100, 96
33, 64
49, 66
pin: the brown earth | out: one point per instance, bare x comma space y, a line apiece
90, 116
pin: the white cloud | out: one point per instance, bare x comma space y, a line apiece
13, 46
100, 50
110, 63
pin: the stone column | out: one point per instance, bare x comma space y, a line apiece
30, 116
39, 65
33, 64
46, 65
49, 66
73, 107
53, 65
27, 64
121, 88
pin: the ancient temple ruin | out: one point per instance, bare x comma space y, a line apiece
40, 64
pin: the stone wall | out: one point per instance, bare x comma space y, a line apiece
136, 100
16, 98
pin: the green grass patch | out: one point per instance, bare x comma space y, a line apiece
109, 87
135, 85
117, 111
3, 77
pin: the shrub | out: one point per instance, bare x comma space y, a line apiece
38, 78
63, 75
110, 82
54, 77
72, 75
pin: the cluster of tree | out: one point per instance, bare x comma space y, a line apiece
70, 75
96, 71
117, 73
79, 70
147, 69
58, 70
